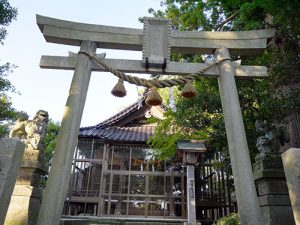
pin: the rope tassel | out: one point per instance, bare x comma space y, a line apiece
119, 89
153, 98
188, 90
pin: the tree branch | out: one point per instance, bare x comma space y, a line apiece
219, 27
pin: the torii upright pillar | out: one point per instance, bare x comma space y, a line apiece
59, 176
249, 211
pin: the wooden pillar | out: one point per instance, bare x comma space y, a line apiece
59, 176
147, 199
249, 211
129, 183
171, 196
122, 178
111, 177
105, 159
183, 194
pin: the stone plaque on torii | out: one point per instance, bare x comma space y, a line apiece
156, 60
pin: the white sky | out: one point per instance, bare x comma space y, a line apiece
48, 89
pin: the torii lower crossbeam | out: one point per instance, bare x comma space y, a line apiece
135, 66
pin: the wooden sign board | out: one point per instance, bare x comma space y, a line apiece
191, 146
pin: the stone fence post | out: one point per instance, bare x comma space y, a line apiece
11, 154
291, 165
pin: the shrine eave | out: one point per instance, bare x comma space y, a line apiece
110, 37
116, 128
133, 134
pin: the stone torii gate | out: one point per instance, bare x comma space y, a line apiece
157, 42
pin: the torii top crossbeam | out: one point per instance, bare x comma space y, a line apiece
73, 33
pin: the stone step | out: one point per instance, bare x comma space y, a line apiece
136, 223
117, 221
152, 223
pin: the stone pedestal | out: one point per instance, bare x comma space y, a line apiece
25, 201
24, 205
291, 163
272, 191
11, 154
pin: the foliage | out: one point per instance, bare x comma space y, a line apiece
7, 14
175, 126
50, 140
167, 134
232, 219
7, 112
271, 99
50, 143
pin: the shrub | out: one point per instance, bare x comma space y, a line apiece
232, 219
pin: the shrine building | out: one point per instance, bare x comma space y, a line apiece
115, 174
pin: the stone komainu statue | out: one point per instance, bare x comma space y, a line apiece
274, 137
32, 132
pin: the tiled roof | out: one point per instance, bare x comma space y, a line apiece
120, 134
121, 115
119, 128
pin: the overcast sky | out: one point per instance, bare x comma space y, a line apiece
48, 89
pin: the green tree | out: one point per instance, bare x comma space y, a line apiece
7, 112
7, 14
50, 143
50, 140
274, 99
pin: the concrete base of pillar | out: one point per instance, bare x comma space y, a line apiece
118, 213
277, 215
172, 215
24, 206
188, 223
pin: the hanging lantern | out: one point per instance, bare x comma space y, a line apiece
153, 98
119, 89
188, 91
